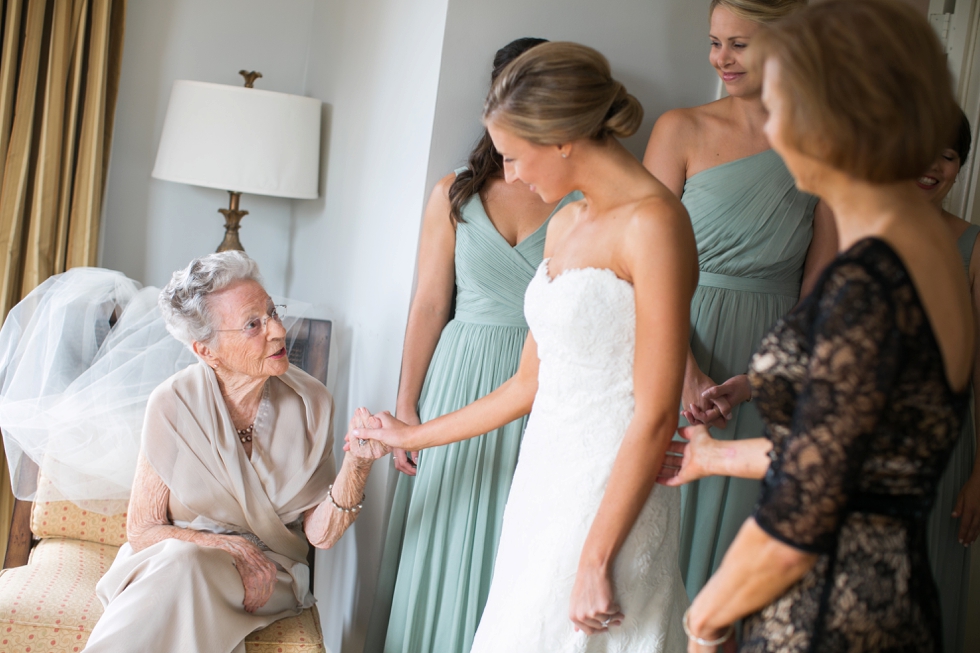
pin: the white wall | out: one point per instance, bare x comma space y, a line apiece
152, 227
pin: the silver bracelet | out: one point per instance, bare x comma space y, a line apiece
353, 509
704, 642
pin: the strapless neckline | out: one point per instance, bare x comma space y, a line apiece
587, 269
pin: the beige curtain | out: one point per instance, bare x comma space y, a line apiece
59, 74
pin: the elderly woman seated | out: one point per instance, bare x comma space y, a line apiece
235, 474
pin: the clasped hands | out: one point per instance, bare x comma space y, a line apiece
375, 435
364, 448
704, 402
707, 404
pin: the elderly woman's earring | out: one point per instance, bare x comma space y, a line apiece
564, 155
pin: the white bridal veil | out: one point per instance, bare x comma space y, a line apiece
73, 390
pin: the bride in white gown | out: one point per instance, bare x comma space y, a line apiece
587, 560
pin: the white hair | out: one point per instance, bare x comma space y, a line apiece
184, 301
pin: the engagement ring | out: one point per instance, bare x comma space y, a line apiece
605, 623
361, 441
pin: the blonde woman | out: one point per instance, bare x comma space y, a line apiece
585, 534
761, 245
863, 386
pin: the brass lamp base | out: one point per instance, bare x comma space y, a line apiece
233, 216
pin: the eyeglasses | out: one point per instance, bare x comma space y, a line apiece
260, 325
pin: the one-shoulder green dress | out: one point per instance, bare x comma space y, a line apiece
949, 559
753, 228
445, 522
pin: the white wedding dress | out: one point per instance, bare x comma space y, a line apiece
584, 322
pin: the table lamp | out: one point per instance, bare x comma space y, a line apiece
242, 140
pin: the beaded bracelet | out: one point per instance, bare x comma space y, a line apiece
353, 509
704, 642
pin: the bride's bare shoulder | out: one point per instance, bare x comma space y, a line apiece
657, 243
660, 220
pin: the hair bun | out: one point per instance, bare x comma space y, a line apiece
624, 116
559, 92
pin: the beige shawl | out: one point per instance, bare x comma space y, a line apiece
191, 442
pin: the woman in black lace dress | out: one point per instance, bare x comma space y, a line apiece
862, 386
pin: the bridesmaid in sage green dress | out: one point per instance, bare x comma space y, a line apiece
954, 523
483, 240
761, 245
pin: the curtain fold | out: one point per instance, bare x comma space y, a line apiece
59, 77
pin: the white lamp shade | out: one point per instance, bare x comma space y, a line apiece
241, 139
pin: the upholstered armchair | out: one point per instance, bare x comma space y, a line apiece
57, 552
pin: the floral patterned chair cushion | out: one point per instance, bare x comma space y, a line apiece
49, 605
52, 516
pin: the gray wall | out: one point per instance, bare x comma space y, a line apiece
150, 226
375, 63
657, 48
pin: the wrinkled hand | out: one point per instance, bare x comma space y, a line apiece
967, 509
257, 571
365, 450
393, 432
683, 462
407, 461
593, 609
697, 408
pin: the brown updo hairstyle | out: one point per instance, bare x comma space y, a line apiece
867, 86
484, 162
559, 92
758, 11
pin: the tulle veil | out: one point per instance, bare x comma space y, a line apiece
79, 356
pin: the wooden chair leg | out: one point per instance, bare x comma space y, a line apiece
20, 538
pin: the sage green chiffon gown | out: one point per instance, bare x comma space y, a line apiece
445, 522
753, 229
950, 560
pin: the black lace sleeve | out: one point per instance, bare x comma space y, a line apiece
855, 348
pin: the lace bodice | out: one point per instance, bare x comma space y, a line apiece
852, 388
584, 323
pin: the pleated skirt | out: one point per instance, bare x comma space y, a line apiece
445, 522
726, 329
950, 560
